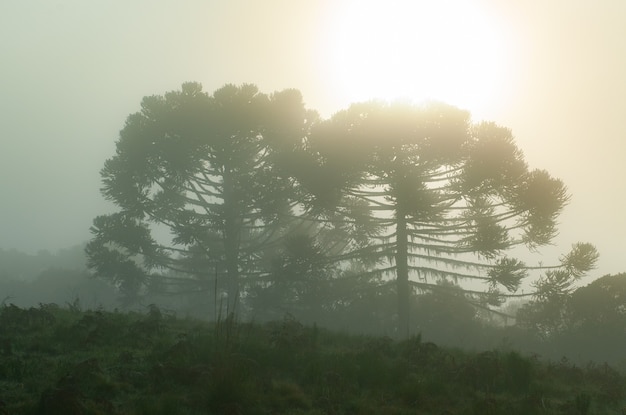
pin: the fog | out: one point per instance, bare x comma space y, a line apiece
72, 71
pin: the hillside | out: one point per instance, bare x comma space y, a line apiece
67, 361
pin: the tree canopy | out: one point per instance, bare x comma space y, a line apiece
197, 182
255, 196
447, 198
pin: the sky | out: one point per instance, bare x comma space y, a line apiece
553, 71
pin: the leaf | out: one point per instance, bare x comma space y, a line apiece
508, 272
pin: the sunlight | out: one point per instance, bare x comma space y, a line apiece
445, 50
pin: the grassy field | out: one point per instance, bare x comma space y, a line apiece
66, 361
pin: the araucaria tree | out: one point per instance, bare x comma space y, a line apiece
418, 196
198, 189
447, 199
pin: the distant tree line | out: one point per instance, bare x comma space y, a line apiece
259, 206
60, 277
23, 266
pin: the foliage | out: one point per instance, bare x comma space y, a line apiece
433, 192
59, 285
97, 362
16, 265
254, 200
299, 281
197, 179
602, 303
589, 320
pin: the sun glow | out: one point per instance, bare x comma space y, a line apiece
444, 50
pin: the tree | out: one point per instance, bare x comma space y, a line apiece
549, 314
299, 281
444, 199
587, 322
209, 185
597, 318
444, 315
601, 303
197, 181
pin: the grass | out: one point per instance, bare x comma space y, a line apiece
64, 361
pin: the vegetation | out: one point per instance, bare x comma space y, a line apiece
27, 267
584, 324
589, 321
202, 167
436, 188
65, 361
240, 206
257, 202
61, 277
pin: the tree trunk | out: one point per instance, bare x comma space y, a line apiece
231, 242
231, 246
402, 274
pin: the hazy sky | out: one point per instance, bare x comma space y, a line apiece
552, 71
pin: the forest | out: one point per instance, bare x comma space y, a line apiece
248, 228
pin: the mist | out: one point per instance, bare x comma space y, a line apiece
72, 73
305, 336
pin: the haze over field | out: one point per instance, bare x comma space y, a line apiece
72, 71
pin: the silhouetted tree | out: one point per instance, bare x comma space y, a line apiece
299, 281
587, 322
443, 314
549, 313
601, 303
597, 318
207, 186
197, 180
442, 199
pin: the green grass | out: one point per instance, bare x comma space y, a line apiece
60, 361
